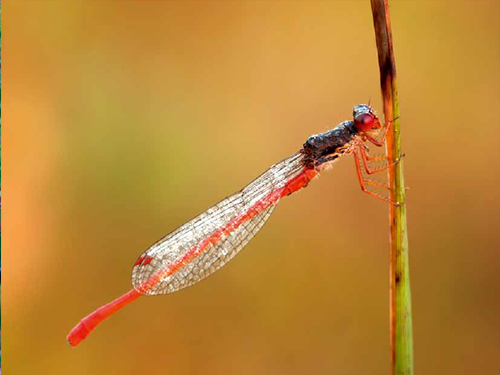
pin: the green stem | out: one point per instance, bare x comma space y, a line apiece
401, 332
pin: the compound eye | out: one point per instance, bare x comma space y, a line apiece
364, 122
367, 119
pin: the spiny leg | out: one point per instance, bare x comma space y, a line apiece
366, 165
374, 158
376, 183
364, 152
362, 181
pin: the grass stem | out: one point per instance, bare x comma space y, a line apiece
401, 332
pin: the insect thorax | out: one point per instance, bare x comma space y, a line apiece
328, 146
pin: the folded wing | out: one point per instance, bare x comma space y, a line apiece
204, 244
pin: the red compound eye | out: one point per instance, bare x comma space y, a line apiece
364, 122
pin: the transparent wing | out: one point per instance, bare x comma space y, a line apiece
204, 244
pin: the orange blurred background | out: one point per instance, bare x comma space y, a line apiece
122, 120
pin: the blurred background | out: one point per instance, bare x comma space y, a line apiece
126, 119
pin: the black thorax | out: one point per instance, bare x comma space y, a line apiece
327, 146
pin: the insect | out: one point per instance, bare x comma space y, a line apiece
204, 244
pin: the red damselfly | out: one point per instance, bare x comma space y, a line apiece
201, 246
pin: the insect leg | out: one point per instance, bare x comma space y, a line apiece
365, 157
380, 143
362, 181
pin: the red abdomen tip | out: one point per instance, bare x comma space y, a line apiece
77, 334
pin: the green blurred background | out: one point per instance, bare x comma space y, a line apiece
125, 119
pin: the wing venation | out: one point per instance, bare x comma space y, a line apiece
239, 214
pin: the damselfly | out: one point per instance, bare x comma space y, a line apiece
201, 246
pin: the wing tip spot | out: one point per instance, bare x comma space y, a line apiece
143, 260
